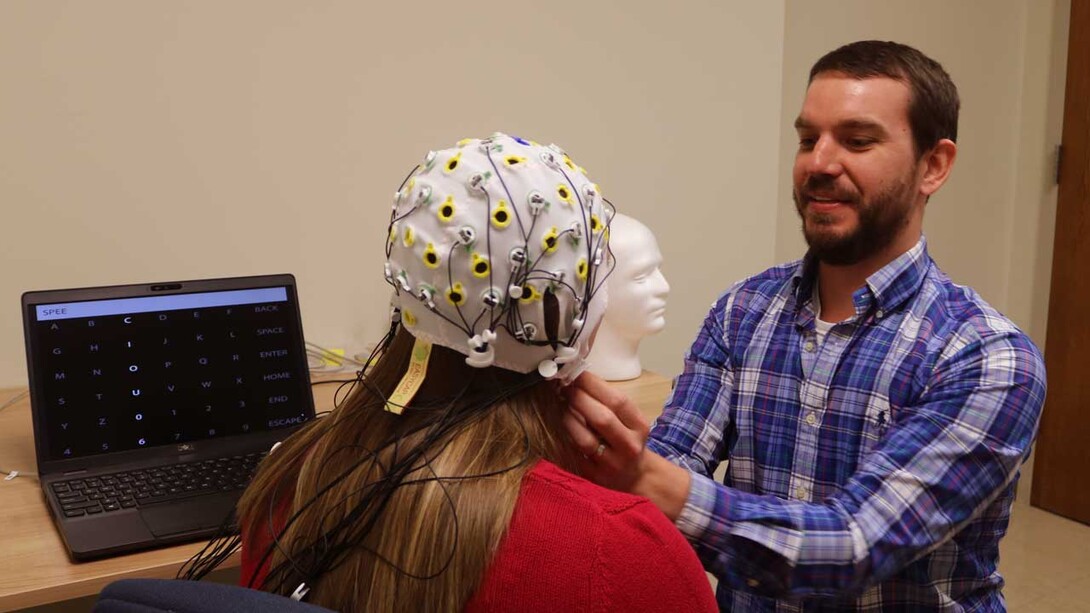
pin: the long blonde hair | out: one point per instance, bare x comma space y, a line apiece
382, 512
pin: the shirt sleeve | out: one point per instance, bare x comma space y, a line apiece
695, 421
941, 462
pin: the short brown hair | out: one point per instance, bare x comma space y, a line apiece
934, 103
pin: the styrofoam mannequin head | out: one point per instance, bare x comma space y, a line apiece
497, 249
637, 287
637, 300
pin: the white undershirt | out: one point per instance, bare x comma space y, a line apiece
821, 327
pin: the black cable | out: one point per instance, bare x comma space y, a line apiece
393, 214
349, 534
330, 557
226, 540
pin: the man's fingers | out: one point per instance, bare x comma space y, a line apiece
597, 415
598, 388
613, 450
584, 439
603, 422
618, 402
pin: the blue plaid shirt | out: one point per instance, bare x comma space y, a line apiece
870, 471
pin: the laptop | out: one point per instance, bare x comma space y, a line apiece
153, 403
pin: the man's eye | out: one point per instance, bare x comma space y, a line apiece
860, 143
806, 143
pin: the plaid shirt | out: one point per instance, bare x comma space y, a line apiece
870, 471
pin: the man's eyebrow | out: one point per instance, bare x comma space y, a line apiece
847, 124
862, 124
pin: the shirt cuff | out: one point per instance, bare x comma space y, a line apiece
696, 516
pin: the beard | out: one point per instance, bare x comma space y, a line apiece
881, 218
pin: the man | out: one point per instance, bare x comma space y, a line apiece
873, 414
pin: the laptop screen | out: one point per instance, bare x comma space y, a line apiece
121, 374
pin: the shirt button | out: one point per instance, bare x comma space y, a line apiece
809, 346
800, 493
751, 582
879, 313
811, 419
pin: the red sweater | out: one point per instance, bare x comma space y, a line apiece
574, 546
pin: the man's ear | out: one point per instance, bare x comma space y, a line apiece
937, 165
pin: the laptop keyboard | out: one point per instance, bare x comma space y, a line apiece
126, 490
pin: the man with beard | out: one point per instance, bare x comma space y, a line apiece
873, 414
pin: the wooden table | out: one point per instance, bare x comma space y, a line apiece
34, 567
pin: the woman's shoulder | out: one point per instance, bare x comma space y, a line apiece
573, 545
619, 524
548, 484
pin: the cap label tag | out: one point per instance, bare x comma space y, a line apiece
414, 376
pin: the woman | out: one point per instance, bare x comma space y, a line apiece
439, 484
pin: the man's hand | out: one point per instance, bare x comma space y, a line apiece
608, 429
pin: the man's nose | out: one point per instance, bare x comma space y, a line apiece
824, 158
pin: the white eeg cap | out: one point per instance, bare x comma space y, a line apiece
497, 248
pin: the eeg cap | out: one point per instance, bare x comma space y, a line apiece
498, 249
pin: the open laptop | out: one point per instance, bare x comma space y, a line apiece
153, 403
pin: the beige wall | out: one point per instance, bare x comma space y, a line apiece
153, 141
148, 141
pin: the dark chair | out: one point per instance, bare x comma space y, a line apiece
162, 595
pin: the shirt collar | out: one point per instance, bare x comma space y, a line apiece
886, 289
899, 280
